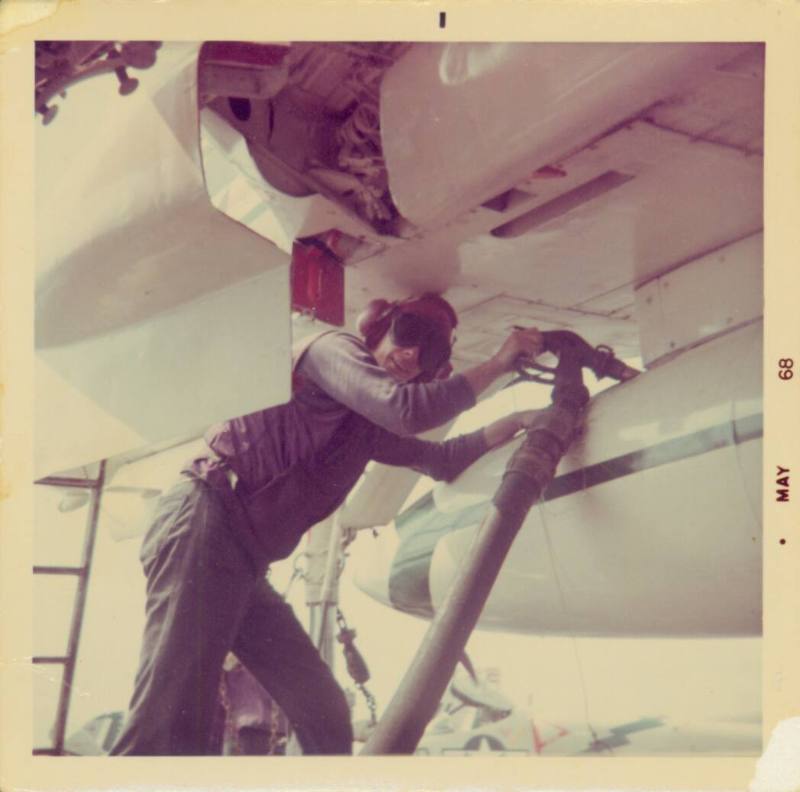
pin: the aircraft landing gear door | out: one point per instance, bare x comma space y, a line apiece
156, 314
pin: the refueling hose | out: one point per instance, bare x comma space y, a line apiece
529, 471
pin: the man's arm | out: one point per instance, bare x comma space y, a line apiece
521, 343
503, 429
340, 365
442, 461
445, 460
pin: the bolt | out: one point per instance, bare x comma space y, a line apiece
127, 84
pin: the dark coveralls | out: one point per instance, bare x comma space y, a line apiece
268, 477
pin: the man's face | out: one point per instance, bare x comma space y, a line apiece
401, 362
414, 344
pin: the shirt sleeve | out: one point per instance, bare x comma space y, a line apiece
342, 366
442, 461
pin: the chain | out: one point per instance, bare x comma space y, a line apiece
341, 622
356, 666
372, 704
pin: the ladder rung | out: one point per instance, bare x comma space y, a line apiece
59, 570
79, 603
61, 481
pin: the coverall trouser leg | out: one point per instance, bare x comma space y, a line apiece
205, 597
277, 651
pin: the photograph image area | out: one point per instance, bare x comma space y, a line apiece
398, 398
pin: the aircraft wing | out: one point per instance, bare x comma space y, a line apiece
547, 185
156, 315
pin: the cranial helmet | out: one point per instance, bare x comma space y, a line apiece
427, 322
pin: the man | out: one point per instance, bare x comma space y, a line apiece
270, 476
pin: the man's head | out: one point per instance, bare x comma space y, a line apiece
411, 339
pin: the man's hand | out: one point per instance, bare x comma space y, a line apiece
525, 343
506, 427
525, 418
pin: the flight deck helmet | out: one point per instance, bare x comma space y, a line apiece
427, 322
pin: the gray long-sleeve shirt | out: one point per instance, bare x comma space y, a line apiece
296, 462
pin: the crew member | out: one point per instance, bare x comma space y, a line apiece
266, 479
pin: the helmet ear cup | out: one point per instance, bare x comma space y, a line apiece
373, 322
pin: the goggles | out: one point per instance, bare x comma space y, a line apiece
415, 330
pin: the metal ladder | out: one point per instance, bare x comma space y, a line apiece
82, 574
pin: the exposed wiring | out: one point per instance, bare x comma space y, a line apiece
573, 638
562, 599
356, 665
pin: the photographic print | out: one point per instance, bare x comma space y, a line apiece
402, 397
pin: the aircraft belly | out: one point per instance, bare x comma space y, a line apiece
550, 97
652, 523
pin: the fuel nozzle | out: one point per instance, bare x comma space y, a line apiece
574, 354
606, 364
